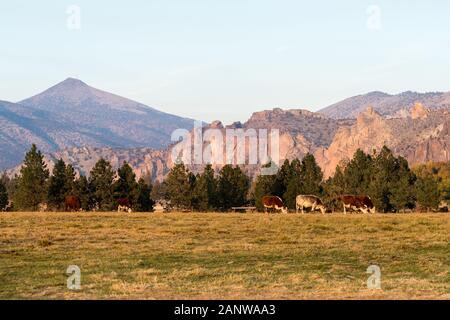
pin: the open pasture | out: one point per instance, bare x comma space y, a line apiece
225, 256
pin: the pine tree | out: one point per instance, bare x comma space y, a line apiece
428, 195
232, 187
3, 197
31, 186
82, 191
264, 186
10, 184
333, 188
57, 186
70, 179
311, 176
199, 199
101, 180
143, 202
178, 188
358, 173
126, 185
211, 186
282, 179
380, 186
159, 191
403, 193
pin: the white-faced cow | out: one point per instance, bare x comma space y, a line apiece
353, 202
273, 202
309, 201
124, 205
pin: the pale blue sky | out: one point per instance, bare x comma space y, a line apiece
225, 59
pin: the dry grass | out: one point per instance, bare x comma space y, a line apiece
225, 256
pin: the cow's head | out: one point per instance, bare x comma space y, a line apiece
372, 210
322, 208
284, 210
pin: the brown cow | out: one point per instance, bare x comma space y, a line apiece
124, 205
273, 202
357, 202
72, 203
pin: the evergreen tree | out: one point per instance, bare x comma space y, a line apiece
282, 179
178, 188
126, 185
57, 186
70, 179
428, 195
294, 183
380, 186
232, 187
263, 187
31, 185
159, 191
144, 202
10, 184
358, 173
3, 196
82, 191
311, 176
403, 193
199, 200
101, 180
333, 188
211, 186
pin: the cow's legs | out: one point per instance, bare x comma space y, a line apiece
296, 208
345, 211
303, 212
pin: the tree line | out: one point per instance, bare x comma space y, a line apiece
392, 185
35, 186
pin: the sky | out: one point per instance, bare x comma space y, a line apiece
211, 59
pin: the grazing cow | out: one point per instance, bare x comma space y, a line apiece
124, 205
42, 207
72, 203
363, 203
273, 202
309, 201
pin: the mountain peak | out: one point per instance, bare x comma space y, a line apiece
71, 83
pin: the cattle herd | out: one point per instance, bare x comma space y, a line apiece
352, 202
349, 202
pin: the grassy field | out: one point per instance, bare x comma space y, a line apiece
248, 256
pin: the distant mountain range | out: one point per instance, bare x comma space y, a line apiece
385, 104
73, 114
81, 124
